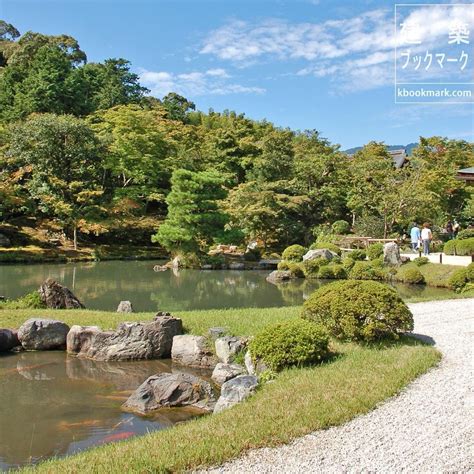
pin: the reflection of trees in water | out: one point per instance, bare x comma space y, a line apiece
49, 401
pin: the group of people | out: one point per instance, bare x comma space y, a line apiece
421, 238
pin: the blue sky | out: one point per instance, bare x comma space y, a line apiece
315, 64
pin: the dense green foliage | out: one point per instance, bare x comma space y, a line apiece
408, 274
459, 246
419, 261
326, 245
83, 149
374, 251
297, 342
461, 278
294, 253
357, 254
366, 271
359, 310
29, 301
465, 234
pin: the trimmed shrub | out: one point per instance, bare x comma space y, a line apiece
283, 265
296, 342
366, 271
459, 246
296, 269
357, 254
294, 253
375, 251
326, 245
419, 261
339, 272
359, 310
410, 275
377, 262
341, 227
465, 234
325, 272
29, 301
462, 277
348, 263
311, 267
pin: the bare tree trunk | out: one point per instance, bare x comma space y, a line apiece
75, 236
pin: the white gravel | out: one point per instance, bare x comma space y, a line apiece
427, 428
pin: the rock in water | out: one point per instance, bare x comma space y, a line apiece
131, 341
171, 390
319, 253
235, 391
192, 351
391, 254
277, 276
224, 372
43, 334
8, 340
125, 307
227, 348
57, 296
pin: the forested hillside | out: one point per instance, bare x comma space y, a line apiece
85, 150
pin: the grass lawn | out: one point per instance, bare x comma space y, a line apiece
435, 274
299, 401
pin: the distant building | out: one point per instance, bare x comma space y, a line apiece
399, 157
466, 175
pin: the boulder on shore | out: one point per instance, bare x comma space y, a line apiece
228, 347
8, 340
319, 253
192, 351
56, 296
252, 367
43, 334
235, 391
224, 372
277, 276
391, 254
125, 307
171, 390
131, 341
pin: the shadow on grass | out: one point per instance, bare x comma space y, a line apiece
412, 339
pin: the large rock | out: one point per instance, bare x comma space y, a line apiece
277, 276
43, 334
235, 391
391, 254
228, 347
4, 241
57, 296
319, 253
252, 367
8, 340
125, 307
192, 351
171, 390
131, 341
224, 372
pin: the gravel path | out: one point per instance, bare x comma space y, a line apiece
427, 428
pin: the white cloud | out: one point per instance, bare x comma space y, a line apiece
355, 53
195, 83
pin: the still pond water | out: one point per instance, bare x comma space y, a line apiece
53, 405
102, 285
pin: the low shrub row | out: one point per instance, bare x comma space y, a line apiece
459, 247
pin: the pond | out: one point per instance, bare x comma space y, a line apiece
52, 404
102, 285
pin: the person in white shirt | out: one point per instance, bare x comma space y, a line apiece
426, 238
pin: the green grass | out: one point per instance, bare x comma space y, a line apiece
435, 274
299, 401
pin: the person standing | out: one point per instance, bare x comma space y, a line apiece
456, 228
426, 238
450, 230
415, 236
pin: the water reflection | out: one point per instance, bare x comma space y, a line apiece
102, 285
52, 404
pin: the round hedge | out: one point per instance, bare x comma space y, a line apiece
296, 269
375, 251
357, 254
311, 267
359, 310
296, 342
458, 280
459, 247
419, 261
341, 227
293, 253
366, 271
410, 275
